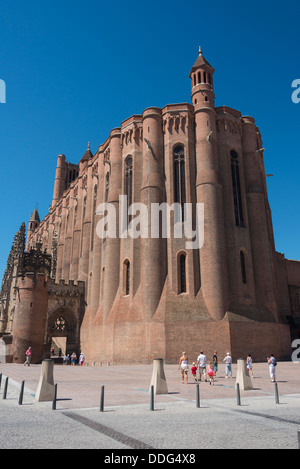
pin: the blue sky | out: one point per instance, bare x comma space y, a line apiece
75, 70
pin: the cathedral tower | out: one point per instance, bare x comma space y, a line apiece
209, 190
30, 314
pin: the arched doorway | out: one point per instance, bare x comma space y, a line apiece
63, 331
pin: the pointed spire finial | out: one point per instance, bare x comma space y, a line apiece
200, 50
89, 145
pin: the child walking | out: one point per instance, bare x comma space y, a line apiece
211, 373
194, 371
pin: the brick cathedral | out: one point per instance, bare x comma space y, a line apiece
128, 299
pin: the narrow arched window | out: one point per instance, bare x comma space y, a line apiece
84, 208
243, 267
93, 215
106, 187
102, 283
182, 273
179, 178
236, 188
128, 182
75, 215
126, 277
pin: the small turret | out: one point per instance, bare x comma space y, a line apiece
32, 225
60, 178
201, 75
85, 159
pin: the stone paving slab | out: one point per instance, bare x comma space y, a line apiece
127, 422
79, 387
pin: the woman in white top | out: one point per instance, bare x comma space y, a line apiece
183, 366
272, 364
249, 364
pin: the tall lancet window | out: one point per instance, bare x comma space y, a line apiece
106, 187
182, 273
236, 188
243, 267
126, 277
179, 178
128, 183
93, 215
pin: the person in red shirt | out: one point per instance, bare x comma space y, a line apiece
28, 355
194, 371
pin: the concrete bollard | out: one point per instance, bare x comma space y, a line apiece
152, 397
276, 394
238, 395
197, 396
45, 390
158, 377
242, 376
102, 399
54, 398
21, 393
5, 388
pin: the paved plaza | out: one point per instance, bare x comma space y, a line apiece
127, 423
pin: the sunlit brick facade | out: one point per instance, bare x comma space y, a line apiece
129, 300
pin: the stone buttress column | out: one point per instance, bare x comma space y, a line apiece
112, 247
153, 261
258, 217
94, 299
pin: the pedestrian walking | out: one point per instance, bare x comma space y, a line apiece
73, 358
250, 364
81, 359
215, 362
184, 367
194, 371
211, 373
228, 363
272, 363
202, 366
28, 355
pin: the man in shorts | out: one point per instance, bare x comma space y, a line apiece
202, 366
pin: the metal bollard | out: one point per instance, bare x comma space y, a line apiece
152, 398
5, 389
102, 399
54, 397
197, 396
21, 393
238, 395
276, 394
